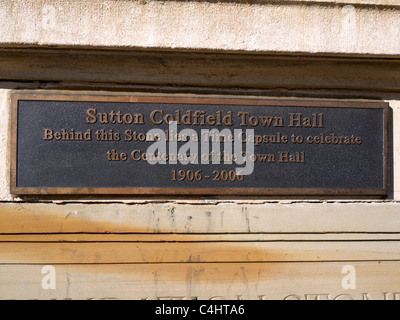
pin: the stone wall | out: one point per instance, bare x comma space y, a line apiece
142, 247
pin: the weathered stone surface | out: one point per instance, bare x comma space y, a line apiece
204, 281
200, 217
200, 248
351, 27
4, 146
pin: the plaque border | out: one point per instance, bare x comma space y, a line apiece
193, 99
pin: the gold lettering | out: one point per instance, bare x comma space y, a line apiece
113, 155
153, 114
297, 157
91, 116
48, 134
243, 115
57, 136
295, 119
133, 155
228, 119
211, 120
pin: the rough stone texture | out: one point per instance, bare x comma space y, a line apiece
110, 248
395, 105
203, 281
4, 146
263, 26
199, 250
235, 220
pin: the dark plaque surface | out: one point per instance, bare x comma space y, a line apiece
179, 145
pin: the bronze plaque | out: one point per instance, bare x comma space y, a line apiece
65, 143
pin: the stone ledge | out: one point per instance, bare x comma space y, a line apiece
190, 218
200, 281
271, 27
332, 2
